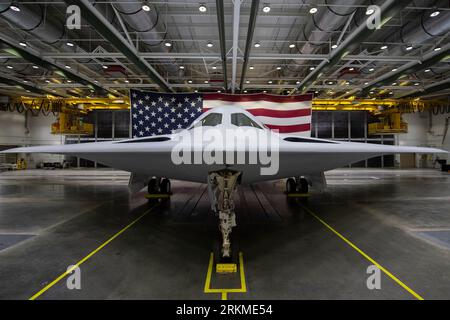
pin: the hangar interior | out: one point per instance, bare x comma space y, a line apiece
70, 85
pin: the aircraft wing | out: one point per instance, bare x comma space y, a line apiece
152, 157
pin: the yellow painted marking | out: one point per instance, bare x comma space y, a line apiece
63, 275
157, 196
224, 292
389, 274
226, 268
298, 195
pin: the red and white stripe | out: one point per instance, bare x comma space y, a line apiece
287, 114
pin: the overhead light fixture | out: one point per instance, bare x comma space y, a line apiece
369, 11
395, 69
266, 8
383, 47
347, 83
437, 49
168, 44
105, 67
68, 67
206, 81
269, 82
416, 84
435, 14
334, 46
248, 81
245, 91
330, 82
48, 81
371, 69
278, 68
146, 7
351, 69
214, 67
195, 90
391, 92
209, 44
181, 67
69, 81
22, 44
427, 70
127, 81
313, 10
14, 8
35, 67
251, 67
189, 81
257, 45
312, 68
371, 92
70, 44
394, 83
264, 91
366, 83
9, 67
218, 91
292, 45
297, 82
408, 48
25, 81
202, 7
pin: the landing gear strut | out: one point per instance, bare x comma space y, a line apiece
222, 186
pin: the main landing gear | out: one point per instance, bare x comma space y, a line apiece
221, 187
297, 188
158, 189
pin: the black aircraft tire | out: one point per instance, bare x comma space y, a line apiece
290, 185
303, 185
152, 186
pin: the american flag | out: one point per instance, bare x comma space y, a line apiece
154, 113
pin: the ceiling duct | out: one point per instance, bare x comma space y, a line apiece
31, 19
148, 27
351, 42
109, 32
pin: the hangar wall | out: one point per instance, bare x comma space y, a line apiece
15, 132
426, 129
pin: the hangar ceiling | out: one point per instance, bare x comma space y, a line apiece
272, 46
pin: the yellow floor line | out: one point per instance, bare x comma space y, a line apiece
63, 275
389, 274
224, 292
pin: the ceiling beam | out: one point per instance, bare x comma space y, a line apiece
18, 84
248, 44
411, 67
10, 46
107, 30
387, 11
216, 56
235, 47
223, 52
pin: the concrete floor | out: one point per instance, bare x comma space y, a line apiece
52, 219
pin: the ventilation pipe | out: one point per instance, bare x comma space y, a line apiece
31, 19
148, 25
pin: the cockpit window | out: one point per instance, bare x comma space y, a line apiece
211, 120
241, 120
